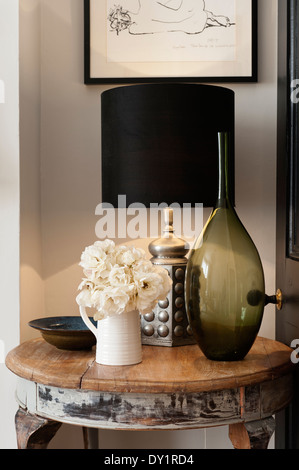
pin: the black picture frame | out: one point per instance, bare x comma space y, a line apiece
102, 76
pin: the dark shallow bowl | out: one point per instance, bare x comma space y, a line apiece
65, 332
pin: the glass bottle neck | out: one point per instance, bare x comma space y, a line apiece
223, 184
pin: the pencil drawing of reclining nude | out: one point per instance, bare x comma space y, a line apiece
152, 16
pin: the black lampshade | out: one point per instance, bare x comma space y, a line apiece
159, 142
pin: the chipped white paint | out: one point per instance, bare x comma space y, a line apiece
136, 411
26, 394
140, 411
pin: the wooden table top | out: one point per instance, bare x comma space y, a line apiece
162, 370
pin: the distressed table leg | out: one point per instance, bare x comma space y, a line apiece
253, 435
90, 437
34, 432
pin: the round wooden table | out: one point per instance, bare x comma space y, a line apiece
172, 388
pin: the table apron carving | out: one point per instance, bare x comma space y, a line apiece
141, 411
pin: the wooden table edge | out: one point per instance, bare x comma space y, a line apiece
125, 386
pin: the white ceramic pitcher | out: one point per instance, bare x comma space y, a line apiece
118, 338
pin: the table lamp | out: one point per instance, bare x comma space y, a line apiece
159, 145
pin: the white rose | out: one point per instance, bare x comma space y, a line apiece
97, 296
91, 257
84, 298
148, 290
86, 284
107, 246
166, 281
90, 293
113, 301
127, 255
153, 283
120, 275
143, 266
96, 263
120, 279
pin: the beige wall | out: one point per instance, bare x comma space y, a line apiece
32, 283
9, 212
61, 176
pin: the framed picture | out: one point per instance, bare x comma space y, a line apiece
135, 41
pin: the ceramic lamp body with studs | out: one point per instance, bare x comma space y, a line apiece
167, 324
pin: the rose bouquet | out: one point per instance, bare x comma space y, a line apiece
120, 279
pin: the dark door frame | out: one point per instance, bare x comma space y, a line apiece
287, 251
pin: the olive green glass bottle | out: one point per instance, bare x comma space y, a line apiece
224, 290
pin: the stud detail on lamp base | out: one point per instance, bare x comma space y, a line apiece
167, 324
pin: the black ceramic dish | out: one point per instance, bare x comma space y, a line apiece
65, 332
